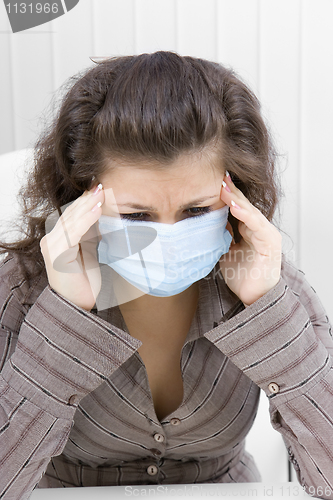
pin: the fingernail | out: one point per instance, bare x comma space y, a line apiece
226, 187
99, 204
98, 189
234, 204
227, 174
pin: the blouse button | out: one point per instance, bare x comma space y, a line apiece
159, 437
73, 400
152, 470
156, 452
175, 421
273, 388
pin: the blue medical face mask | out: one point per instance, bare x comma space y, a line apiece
164, 259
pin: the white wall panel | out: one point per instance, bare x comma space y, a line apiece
316, 175
196, 28
72, 42
30, 69
7, 123
114, 27
279, 81
156, 25
238, 38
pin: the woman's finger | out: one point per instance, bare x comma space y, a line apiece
85, 203
76, 221
245, 233
244, 211
61, 245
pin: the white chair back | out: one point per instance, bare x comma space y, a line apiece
14, 167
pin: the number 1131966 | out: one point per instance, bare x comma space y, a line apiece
38, 8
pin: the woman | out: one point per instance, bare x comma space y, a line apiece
135, 334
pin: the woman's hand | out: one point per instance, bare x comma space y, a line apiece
253, 266
70, 250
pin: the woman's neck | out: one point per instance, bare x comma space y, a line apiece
150, 304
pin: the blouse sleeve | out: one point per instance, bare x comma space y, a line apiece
52, 354
283, 342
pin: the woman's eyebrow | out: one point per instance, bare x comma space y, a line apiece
153, 209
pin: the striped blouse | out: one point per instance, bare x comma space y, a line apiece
76, 407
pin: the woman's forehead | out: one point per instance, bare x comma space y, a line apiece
204, 164
181, 186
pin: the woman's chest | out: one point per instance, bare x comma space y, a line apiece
160, 353
162, 335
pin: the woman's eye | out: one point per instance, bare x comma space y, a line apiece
196, 211
191, 212
135, 216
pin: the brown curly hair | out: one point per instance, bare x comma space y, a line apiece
145, 107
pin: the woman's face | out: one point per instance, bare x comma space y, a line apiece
188, 187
